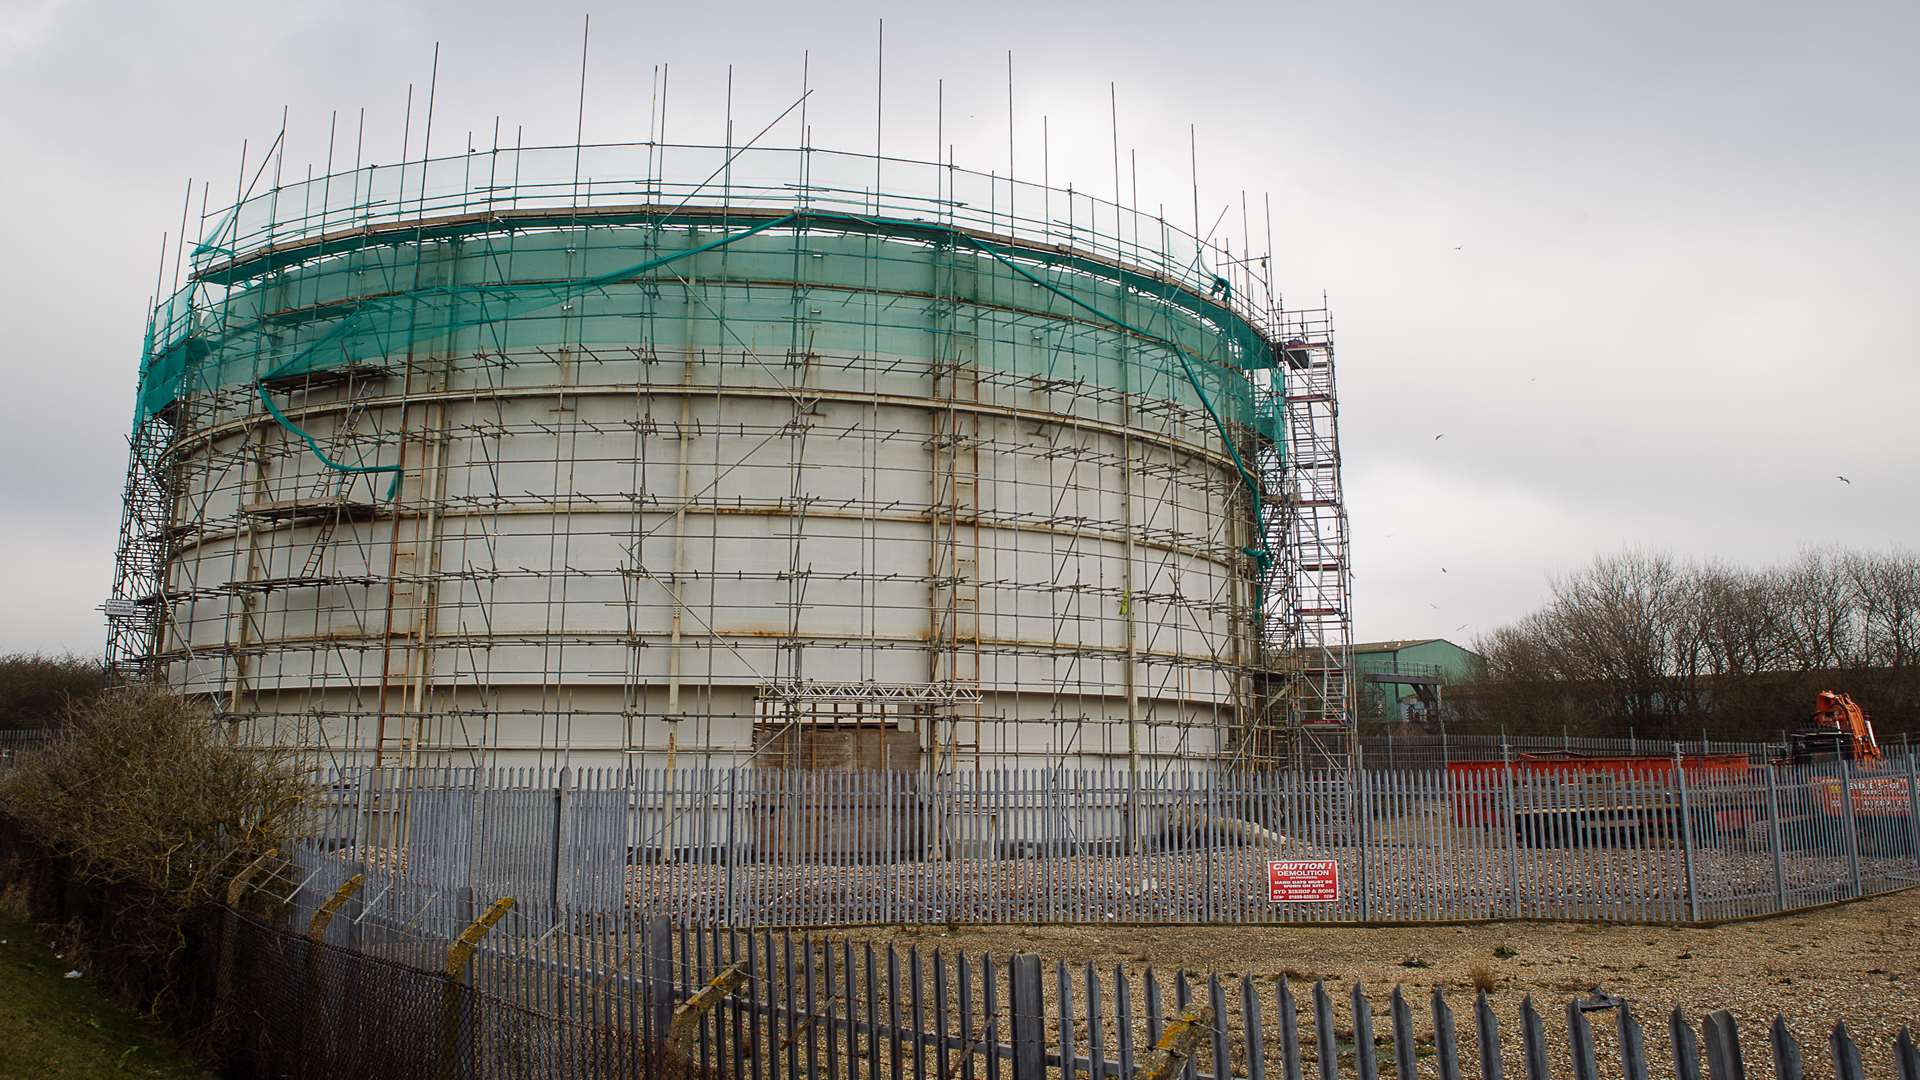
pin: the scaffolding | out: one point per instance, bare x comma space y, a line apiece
664, 453
1319, 622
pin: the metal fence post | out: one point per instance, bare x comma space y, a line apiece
1852, 826
1513, 829
1686, 834
1362, 816
312, 997
229, 929
559, 835
658, 999
1207, 839
726, 879
452, 1002
1913, 809
1774, 840
1028, 1017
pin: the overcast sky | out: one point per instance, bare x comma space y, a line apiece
1649, 267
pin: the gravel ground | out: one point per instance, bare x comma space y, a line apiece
1227, 885
1858, 962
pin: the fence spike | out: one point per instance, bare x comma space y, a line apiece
1787, 1062
1487, 1028
963, 988
1366, 1064
1533, 1038
1182, 997
1404, 1057
1846, 1056
1723, 1046
1256, 1045
1446, 1049
1326, 1041
1289, 1012
1096, 1030
1063, 987
1150, 985
1580, 1043
1217, 1001
942, 1052
1686, 1048
1633, 1046
1906, 1059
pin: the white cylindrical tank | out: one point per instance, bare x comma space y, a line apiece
644, 482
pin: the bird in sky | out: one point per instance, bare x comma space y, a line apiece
1440, 436
1461, 627
1435, 607
1457, 247
1443, 569
1843, 480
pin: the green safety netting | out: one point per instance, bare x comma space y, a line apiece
484, 288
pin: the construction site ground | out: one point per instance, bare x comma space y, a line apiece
1858, 962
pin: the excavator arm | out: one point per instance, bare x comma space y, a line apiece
1839, 712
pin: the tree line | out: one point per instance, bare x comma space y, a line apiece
1668, 648
36, 689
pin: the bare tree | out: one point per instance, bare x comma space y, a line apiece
1641, 641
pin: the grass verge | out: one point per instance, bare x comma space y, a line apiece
53, 1026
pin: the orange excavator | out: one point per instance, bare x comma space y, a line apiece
1843, 765
1840, 732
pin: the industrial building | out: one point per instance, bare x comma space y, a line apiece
697, 455
1405, 681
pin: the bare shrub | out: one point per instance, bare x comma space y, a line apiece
36, 689
149, 802
1482, 978
148, 792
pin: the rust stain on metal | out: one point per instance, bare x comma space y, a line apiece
686, 1016
1175, 1048
317, 926
462, 948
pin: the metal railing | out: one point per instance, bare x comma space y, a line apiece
1367, 666
648, 998
1537, 840
16, 744
349, 986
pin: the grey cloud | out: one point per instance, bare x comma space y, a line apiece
1681, 304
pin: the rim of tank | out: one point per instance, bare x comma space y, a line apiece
651, 182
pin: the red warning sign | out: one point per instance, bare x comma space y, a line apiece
1303, 881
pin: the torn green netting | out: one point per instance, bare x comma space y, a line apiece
1261, 556
252, 341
